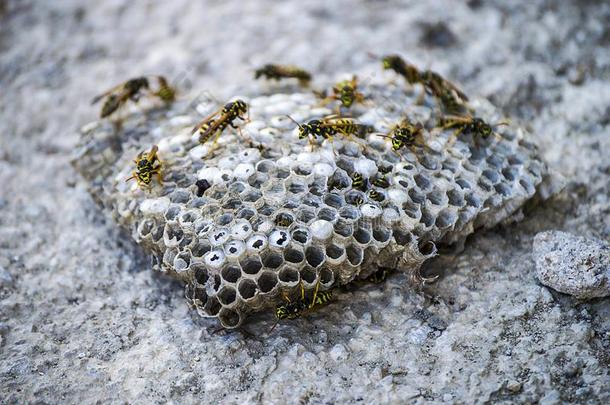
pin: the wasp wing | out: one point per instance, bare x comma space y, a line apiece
205, 120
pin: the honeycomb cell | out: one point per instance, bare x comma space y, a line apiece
288, 276
314, 256
267, 281
355, 255
301, 235
252, 265
293, 256
229, 319
246, 289
230, 274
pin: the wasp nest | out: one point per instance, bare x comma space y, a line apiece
263, 213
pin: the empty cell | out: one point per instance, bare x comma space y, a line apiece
237, 188
265, 166
527, 186
381, 235
451, 165
314, 256
252, 196
515, 160
301, 235
291, 203
272, 260
426, 217
503, 189
232, 204
327, 214
492, 175
229, 318
485, 184
349, 212
230, 274
455, 198
224, 219
346, 164
182, 261
311, 200
200, 273
172, 213
251, 265
416, 196
180, 196
306, 215
339, 181
293, 255
343, 228
257, 180
246, 288
266, 210
427, 248
445, 219
354, 255
288, 275
200, 296
145, 227
308, 275
464, 184
327, 277
334, 200
429, 162
267, 281
437, 197
212, 307
362, 236
510, 173
282, 174
495, 160
157, 233
172, 234
227, 295
334, 251
402, 237
423, 181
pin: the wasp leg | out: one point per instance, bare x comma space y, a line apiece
315, 295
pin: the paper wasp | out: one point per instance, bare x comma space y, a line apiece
147, 165
277, 72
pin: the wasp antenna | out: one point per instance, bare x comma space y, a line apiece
497, 124
293, 120
385, 136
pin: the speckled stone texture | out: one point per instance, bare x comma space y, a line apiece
573, 265
83, 319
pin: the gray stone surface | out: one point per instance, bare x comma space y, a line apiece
573, 265
83, 319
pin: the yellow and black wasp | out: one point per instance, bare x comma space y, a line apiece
215, 123
403, 68
346, 92
376, 196
474, 126
358, 182
381, 182
147, 165
295, 309
312, 130
133, 90
277, 72
406, 134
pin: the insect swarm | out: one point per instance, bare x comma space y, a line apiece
215, 123
296, 309
475, 126
346, 92
278, 72
147, 165
132, 90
